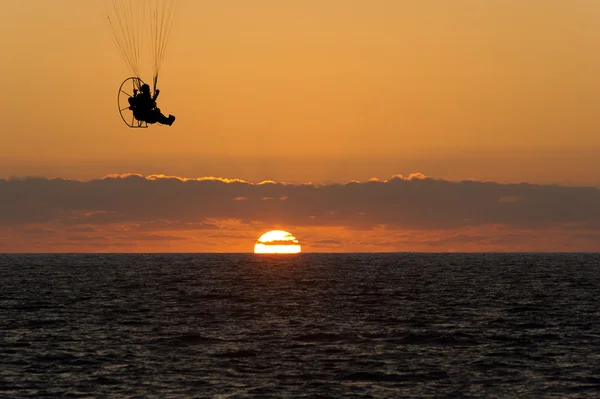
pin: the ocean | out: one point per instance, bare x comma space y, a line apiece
300, 326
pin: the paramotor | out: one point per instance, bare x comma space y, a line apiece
126, 91
138, 26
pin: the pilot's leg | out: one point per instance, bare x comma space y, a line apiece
164, 120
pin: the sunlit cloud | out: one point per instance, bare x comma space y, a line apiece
412, 176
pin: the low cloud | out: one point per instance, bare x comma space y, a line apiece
166, 225
328, 242
160, 237
175, 203
401, 213
81, 230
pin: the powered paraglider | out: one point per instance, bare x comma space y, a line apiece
137, 26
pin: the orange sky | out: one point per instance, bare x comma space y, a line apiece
313, 91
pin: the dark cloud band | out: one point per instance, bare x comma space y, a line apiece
411, 203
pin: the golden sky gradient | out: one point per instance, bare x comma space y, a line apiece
313, 91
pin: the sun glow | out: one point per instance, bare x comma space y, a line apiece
277, 242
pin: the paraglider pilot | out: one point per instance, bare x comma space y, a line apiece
144, 107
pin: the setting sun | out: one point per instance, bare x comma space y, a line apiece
277, 242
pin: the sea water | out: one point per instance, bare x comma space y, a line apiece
300, 326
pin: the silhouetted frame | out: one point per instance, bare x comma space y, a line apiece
126, 91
